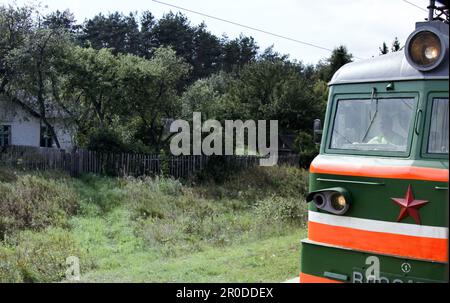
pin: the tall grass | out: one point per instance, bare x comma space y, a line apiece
106, 221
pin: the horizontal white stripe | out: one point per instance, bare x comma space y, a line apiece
380, 226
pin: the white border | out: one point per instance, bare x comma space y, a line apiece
380, 226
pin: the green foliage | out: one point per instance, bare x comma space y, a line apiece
9, 272
35, 203
123, 220
218, 169
395, 45
271, 213
132, 74
257, 183
41, 257
98, 195
7, 175
106, 140
307, 149
384, 49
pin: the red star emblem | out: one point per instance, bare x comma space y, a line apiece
409, 206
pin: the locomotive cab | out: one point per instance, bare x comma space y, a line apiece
378, 200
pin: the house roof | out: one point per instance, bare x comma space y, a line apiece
52, 111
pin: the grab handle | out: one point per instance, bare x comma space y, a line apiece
418, 121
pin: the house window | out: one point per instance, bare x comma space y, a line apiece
46, 137
5, 135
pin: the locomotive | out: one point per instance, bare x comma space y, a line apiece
378, 196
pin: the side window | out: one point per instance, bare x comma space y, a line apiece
5, 135
438, 136
46, 137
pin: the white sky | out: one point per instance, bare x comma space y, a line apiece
361, 25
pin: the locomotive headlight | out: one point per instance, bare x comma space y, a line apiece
338, 202
425, 49
334, 200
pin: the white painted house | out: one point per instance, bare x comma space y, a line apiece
18, 127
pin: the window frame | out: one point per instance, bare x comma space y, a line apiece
426, 130
9, 133
346, 97
41, 137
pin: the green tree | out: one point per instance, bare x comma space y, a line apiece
339, 57
395, 45
16, 25
384, 49
238, 52
61, 20
148, 93
90, 91
31, 78
116, 31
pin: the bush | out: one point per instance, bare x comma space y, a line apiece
9, 272
218, 169
281, 210
41, 257
99, 194
106, 140
7, 175
259, 182
306, 147
35, 203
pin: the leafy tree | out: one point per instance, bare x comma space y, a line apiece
175, 30
90, 89
116, 31
384, 49
148, 91
30, 78
339, 57
395, 45
148, 40
238, 52
275, 90
61, 20
208, 96
207, 55
16, 24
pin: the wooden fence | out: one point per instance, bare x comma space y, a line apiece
83, 161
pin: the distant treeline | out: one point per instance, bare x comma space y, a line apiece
120, 78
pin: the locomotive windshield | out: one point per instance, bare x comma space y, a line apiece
438, 137
373, 124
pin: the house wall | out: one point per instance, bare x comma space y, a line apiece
25, 129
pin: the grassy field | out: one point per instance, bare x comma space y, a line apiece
245, 229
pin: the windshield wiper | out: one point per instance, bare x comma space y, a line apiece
374, 90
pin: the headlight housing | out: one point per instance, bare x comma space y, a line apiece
425, 48
334, 200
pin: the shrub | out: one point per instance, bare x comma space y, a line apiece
7, 175
98, 194
9, 273
218, 169
35, 203
308, 150
258, 182
281, 210
153, 197
41, 257
106, 140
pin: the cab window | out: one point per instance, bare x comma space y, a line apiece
438, 136
373, 125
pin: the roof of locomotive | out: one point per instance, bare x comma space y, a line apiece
393, 66
389, 67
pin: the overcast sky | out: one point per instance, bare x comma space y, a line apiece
361, 25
